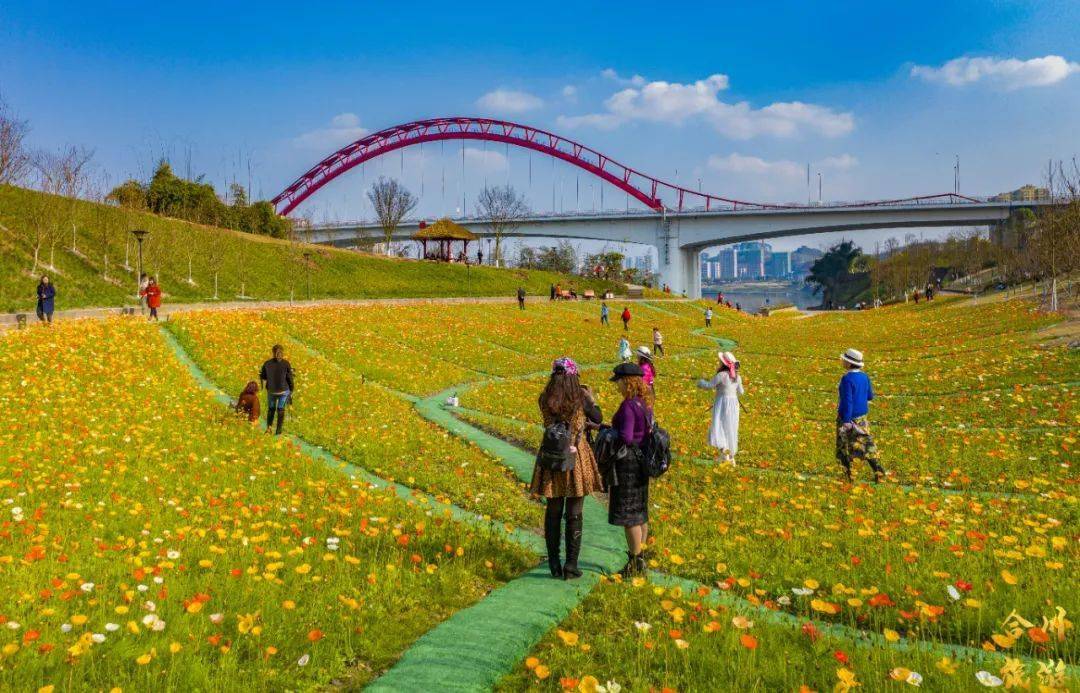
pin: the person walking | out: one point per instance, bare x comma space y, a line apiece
626, 318
628, 480
657, 341
853, 439
46, 299
708, 317
624, 350
521, 297
152, 294
480, 255
724, 429
648, 370
248, 402
276, 375
604, 313
565, 401
552, 292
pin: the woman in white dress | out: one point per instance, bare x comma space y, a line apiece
724, 431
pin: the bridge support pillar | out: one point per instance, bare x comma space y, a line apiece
678, 268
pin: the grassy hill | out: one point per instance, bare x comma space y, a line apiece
249, 266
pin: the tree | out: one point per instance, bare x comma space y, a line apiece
503, 208
606, 264
64, 174
391, 201
830, 269
14, 159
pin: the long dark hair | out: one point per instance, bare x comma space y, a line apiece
561, 397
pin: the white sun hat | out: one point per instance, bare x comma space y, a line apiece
853, 356
643, 352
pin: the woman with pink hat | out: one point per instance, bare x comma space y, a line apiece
724, 431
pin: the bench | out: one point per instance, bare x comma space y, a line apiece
589, 294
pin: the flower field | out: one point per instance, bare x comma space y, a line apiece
151, 541
958, 572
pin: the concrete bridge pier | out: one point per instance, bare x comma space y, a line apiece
679, 268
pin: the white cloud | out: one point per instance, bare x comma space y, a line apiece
569, 92
753, 165
486, 161
344, 128
509, 101
675, 103
1004, 73
635, 81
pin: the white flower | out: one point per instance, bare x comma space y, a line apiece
16, 510
987, 679
609, 687
149, 606
98, 638
13, 625
149, 619
783, 600
112, 627
216, 619
158, 580
914, 678
87, 587
954, 594
172, 554
141, 588
303, 660
158, 626
65, 627
642, 626
802, 591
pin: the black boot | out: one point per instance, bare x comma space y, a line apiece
552, 525
280, 420
269, 418
573, 547
635, 565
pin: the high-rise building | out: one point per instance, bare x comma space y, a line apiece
1025, 193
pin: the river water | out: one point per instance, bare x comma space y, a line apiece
750, 300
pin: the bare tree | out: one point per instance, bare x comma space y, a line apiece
63, 174
14, 159
503, 208
105, 220
392, 201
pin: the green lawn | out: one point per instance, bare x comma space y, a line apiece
261, 267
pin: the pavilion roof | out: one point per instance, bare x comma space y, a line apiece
444, 229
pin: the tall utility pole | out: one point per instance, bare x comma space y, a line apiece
819, 188
956, 175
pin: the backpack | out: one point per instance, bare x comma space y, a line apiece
656, 450
556, 452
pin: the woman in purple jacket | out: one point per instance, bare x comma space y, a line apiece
628, 506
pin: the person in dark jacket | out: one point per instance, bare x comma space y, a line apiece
628, 482
277, 379
565, 400
248, 402
46, 299
853, 440
521, 297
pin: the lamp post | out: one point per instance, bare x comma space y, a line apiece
139, 235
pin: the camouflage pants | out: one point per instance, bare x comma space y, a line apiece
856, 444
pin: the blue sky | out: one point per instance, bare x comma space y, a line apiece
740, 98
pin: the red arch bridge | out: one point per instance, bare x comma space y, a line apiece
678, 221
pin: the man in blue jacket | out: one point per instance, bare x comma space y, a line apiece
853, 440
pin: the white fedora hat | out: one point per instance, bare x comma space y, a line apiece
643, 352
853, 356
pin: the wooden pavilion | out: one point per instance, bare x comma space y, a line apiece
444, 232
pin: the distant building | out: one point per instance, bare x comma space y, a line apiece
778, 265
1026, 193
754, 260
802, 258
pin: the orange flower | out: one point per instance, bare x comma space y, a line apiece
748, 641
1038, 635
315, 635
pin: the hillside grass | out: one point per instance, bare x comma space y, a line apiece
248, 266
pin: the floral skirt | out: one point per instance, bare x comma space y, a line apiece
856, 444
583, 480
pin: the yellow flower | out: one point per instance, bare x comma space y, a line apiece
175, 647
569, 639
588, 684
891, 635
144, 659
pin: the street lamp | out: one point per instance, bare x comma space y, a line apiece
139, 235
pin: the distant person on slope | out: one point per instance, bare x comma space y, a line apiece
521, 297
604, 314
248, 402
624, 350
708, 317
565, 470
276, 375
152, 294
552, 292
724, 429
46, 299
853, 440
626, 318
657, 342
